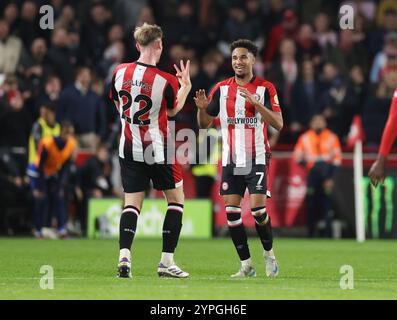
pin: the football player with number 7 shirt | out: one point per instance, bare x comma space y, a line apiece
245, 104
144, 97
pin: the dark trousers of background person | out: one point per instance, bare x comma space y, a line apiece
15, 208
319, 199
56, 194
204, 186
54, 205
5, 203
82, 211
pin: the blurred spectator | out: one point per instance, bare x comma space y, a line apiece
46, 126
209, 16
113, 56
208, 73
283, 74
255, 17
50, 94
115, 34
287, 29
57, 5
360, 31
128, 12
273, 14
329, 73
347, 53
67, 19
176, 53
60, 56
15, 122
307, 47
145, 15
98, 86
181, 29
311, 8
338, 105
33, 66
381, 65
304, 99
384, 7
10, 49
93, 181
83, 107
359, 86
386, 25
13, 191
237, 26
75, 47
376, 109
324, 36
320, 152
28, 26
94, 33
48, 176
11, 16
111, 115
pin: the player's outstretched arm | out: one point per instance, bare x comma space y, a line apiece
183, 75
203, 118
275, 119
377, 171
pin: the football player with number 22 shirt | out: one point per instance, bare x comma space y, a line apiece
145, 96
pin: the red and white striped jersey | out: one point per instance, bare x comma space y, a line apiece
244, 134
144, 93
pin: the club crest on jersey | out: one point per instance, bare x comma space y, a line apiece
257, 97
225, 186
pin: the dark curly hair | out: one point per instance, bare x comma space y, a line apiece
245, 43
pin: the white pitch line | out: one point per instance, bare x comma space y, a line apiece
55, 278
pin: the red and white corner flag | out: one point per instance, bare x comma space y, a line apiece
356, 132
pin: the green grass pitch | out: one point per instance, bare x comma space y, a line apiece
86, 269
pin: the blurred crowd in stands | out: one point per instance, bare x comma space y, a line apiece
316, 67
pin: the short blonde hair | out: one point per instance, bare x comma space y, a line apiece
147, 33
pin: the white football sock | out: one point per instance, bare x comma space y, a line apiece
246, 263
167, 259
269, 253
125, 253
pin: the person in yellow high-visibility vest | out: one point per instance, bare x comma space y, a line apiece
48, 175
46, 126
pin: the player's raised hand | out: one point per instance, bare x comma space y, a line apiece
183, 74
377, 172
247, 95
201, 99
